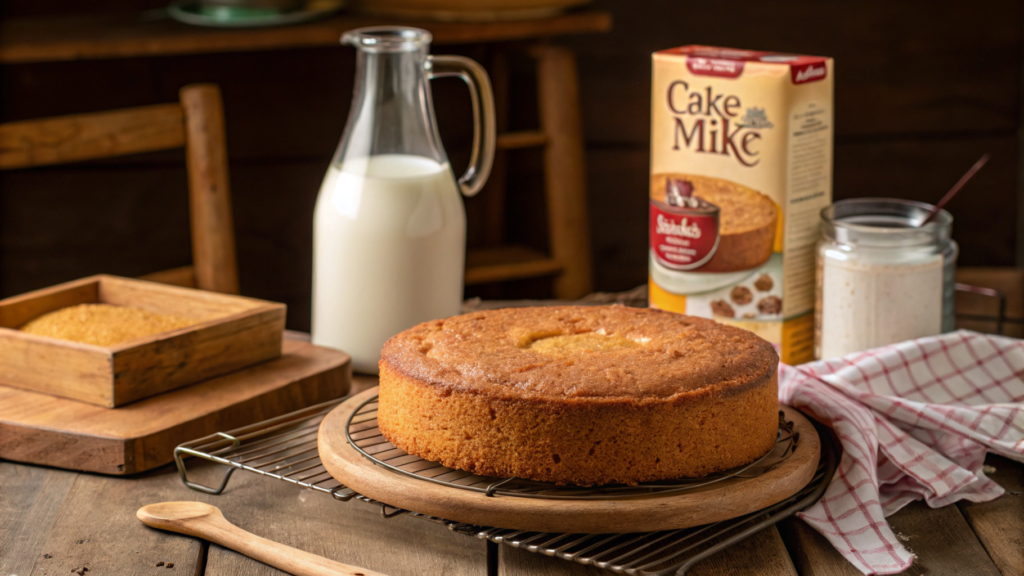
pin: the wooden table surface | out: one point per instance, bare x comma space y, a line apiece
56, 522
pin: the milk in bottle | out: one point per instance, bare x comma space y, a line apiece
389, 245
389, 229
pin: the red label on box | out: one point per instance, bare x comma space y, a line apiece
810, 72
683, 239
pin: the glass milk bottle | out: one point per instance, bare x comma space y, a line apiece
389, 229
882, 278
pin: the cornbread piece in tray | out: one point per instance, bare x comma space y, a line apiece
213, 334
103, 324
582, 395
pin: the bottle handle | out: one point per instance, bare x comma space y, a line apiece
480, 93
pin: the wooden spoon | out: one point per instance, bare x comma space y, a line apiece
207, 522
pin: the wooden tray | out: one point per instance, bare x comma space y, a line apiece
233, 332
720, 501
41, 429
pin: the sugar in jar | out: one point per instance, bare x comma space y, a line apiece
882, 277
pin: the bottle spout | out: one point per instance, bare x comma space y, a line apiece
387, 39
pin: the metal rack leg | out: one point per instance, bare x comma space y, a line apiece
492, 558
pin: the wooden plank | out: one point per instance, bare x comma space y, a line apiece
522, 139
763, 554
29, 500
507, 263
95, 529
999, 524
81, 37
57, 432
87, 136
942, 540
350, 532
184, 276
812, 554
558, 103
213, 229
940, 537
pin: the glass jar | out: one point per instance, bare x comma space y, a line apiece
882, 278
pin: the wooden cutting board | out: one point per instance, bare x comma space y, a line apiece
41, 429
717, 502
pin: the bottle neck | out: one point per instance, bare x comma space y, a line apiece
392, 111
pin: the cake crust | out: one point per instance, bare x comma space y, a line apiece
580, 395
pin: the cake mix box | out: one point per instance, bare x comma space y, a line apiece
741, 166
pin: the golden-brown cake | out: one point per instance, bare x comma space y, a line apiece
747, 224
580, 394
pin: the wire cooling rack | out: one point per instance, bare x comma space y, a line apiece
285, 448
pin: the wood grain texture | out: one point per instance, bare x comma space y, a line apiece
942, 540
999, 524
507, 263
78, 37
88, 136
205, 521
54, 431
213, 232
724, 501
522, 139
564, 169
184, 276
811, 552
940, 537
230, 333
29, 500
95, 529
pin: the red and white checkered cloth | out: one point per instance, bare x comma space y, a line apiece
916, 420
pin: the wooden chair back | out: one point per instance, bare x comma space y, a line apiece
196, 123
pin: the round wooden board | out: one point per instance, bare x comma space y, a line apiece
643, 514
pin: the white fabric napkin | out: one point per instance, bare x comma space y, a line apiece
915, 420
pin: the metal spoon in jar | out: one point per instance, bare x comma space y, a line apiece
956, 188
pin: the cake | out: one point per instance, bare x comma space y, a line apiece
747, 221
583, 395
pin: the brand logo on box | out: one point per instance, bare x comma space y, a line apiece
706, 121
714, 67
683, 239
812, 72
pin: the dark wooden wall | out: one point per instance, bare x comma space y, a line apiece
921, 93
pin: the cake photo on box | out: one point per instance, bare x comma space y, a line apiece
741, 238
584, 395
